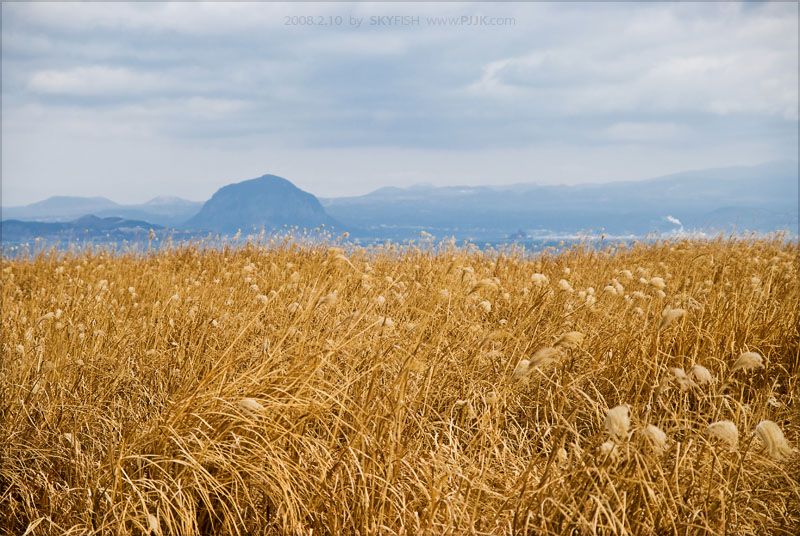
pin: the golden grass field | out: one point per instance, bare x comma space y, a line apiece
291, 389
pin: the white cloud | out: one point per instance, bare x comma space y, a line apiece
643, 131
186, 18
653, 60
96, 81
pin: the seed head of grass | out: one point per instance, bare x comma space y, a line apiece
680, 378
701, 375
153, 525
330, 299
657, 282
539, 279
772, 437
571, 339
484, 284
748, 361
46, 316
250, 405
70, 440
342, 259
618, 422
543, 357
726, 432
656, 436
608, 450
522, 370
669, 316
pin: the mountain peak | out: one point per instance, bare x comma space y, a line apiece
58, 202
169, 200
268, 201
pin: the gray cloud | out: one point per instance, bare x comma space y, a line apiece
135, 100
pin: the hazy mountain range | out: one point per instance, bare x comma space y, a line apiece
166, 211
761, 198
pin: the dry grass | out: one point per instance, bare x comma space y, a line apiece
296, 389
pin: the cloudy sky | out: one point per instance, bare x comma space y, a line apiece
130, 101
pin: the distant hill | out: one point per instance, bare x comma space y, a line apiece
166, 211
268, 201
87, 227
168, 200
60, 206
759, 198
